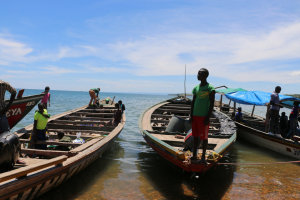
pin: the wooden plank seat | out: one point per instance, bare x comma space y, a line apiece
51, 142
23, 171
73, 137
49, 153
177, 142
65, 130
155, 115
211, 128
100, 110
166, 116
174, 110
85, 145
92, 114
79, 128
85, 118
78, 122
211, 134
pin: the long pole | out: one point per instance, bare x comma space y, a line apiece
185, 81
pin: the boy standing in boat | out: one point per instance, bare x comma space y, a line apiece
201, 110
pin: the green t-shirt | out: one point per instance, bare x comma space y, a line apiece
202, 102
41, 120
96, 90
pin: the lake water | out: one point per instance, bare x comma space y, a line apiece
132, 170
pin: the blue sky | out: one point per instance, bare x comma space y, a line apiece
143, 46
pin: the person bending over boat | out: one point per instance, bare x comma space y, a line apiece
41, 117
201, 110
46, 97
4, 86
274, 111
94, 94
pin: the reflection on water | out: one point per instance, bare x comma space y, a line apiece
132, 170
171, 183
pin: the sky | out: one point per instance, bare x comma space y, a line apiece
143, 46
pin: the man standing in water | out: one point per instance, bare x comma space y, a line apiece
274, 111
201, 110
4, 126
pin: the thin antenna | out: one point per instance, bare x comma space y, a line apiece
185, 81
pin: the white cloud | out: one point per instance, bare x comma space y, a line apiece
228, 55
12, 51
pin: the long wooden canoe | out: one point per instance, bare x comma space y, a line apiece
46, 169
252, 129
170, 145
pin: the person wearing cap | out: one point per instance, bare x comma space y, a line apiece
201, 110
94, 94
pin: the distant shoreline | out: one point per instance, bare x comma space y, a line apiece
294, 95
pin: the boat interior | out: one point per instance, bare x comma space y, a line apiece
67, 135
162, 116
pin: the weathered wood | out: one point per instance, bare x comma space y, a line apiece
50, 153
166, 116
78, 128
174, 110
92, 114
40, 181
64, 130
23, 171
86, 118
177, 107
78, 122
99, 110
83, 136
85, 145
49, 142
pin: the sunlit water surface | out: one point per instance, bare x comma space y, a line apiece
132, 170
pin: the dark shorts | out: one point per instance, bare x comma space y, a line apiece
199, 129
41, 136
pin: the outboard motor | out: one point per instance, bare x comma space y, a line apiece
9, 150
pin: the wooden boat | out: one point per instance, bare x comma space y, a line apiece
253, 129
20, 107
46, 169
170, 145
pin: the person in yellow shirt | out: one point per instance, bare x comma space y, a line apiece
41, 117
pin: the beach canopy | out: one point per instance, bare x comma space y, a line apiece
229, 90
259, 98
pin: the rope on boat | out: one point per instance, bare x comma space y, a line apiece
265, 163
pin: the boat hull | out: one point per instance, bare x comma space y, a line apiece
20, 108
270, 142
170, 147
35, 184
174, 160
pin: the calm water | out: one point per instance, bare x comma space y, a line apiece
132, 170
